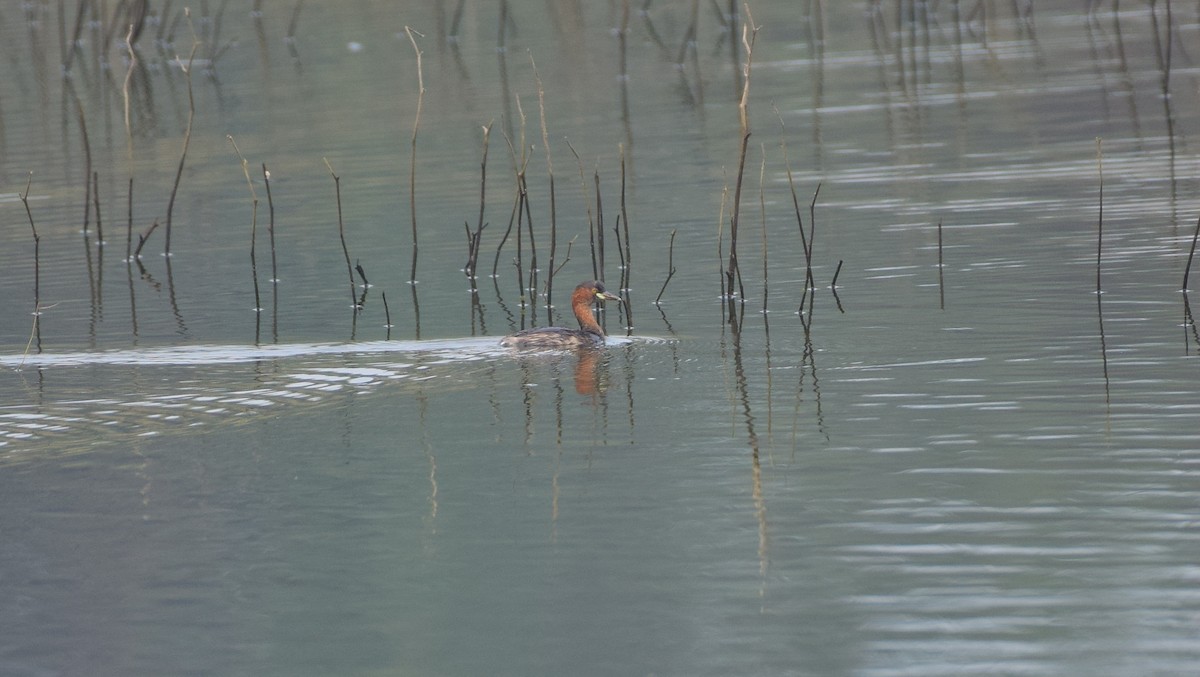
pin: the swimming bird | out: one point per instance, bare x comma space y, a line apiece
589, 333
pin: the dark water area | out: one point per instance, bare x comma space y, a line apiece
959, 460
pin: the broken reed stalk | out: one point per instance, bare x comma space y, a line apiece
270, 222
749, 34
142, 239
541, 92
836, 272
412, 168
567, 258
253, 222
1100, 217
670, 268
337, 188
1187, 270
187, 134
37, 244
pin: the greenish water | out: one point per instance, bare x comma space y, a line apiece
975, 468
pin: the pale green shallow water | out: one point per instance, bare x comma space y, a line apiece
988, 473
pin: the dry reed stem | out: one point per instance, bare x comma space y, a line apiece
599, 252
473, 241
87, 164
1187, 270
487, 135
627, 258
143, 238
187, 134
456, 21
270, 222
412, 169
541, 92
512, 217
294, 20
591, 219
253, 222
670, 267
812, 231
1100, 216
129, 224
570, 243
725, 293
518, 167
762, 210
531, 284
689, 35
96, 205
125, 86
37, 244
520, 164
749, 34
337, 187
808, 276
941, 271
69, 49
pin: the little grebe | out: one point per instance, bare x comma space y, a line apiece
588, 334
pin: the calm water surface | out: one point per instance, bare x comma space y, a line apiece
978, 467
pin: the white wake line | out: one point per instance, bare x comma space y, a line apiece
924, 363
228, 354
459, 348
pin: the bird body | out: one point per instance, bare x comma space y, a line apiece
589, 334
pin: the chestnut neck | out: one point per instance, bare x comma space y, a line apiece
581, 303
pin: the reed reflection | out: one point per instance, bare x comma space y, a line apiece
742, 393
591, 371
